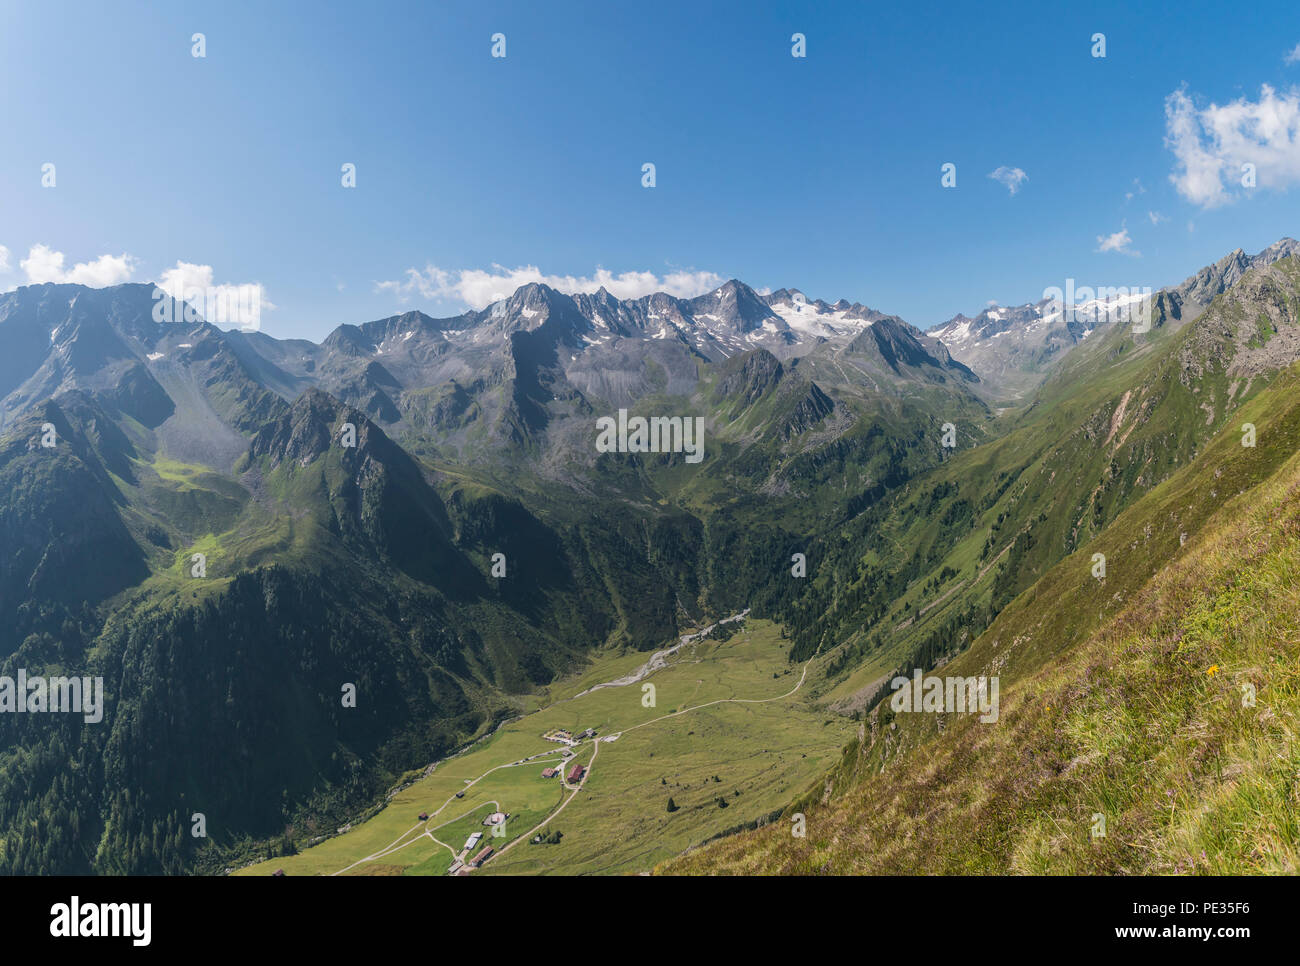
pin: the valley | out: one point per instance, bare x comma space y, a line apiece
729, 726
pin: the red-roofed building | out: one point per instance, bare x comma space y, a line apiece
575, 774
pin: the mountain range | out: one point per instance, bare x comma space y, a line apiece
1013, 347
229, 528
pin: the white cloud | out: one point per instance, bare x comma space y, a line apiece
1212, 145
239, 305
1155, 217
4, 259
478, 288
1117, 242
1010, 178
1293, 56
43, 264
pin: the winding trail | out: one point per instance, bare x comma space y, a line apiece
709, 704
591, 764
563, 805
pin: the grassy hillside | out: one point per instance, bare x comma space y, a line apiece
1127, 698
917, 576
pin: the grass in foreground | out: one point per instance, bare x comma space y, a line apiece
1149, 723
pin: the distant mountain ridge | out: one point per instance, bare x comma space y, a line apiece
1013, 347
585, 346
507, 371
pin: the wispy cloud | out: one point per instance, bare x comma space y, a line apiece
43, 264
1119, 242
1212, 146
1293, 55
1010, 178
478, 287
1155, 217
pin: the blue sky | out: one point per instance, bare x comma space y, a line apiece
821, 173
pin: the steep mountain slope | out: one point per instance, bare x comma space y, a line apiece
1161, 698
936, 792
66, 546
324, 566
922, 573
179, 380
